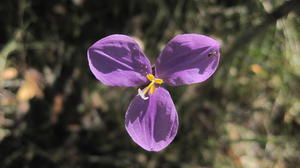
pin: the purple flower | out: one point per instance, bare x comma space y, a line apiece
151, 118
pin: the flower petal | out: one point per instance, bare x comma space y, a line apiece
117, 60
187, 59
152, 123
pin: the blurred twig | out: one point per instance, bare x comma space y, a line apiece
11, 46
246, 36
7, 49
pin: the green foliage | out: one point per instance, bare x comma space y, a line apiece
54, 113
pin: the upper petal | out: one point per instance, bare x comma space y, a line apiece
117, 60
187, 59
152, 123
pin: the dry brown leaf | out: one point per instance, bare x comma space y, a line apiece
32, 86
235, 157
60, 9
58, 104
98, 101
7, 98
9, 73
257, 69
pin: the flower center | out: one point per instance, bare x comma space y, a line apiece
151, 87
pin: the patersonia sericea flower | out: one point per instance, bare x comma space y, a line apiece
151, 118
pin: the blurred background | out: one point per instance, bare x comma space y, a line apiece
54, 113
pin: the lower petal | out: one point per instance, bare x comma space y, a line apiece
152, 123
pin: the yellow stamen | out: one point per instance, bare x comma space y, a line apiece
150, 77
151, 87
148, 87
158, 81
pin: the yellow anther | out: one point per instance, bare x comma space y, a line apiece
150, 77
158, 81
151, 87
